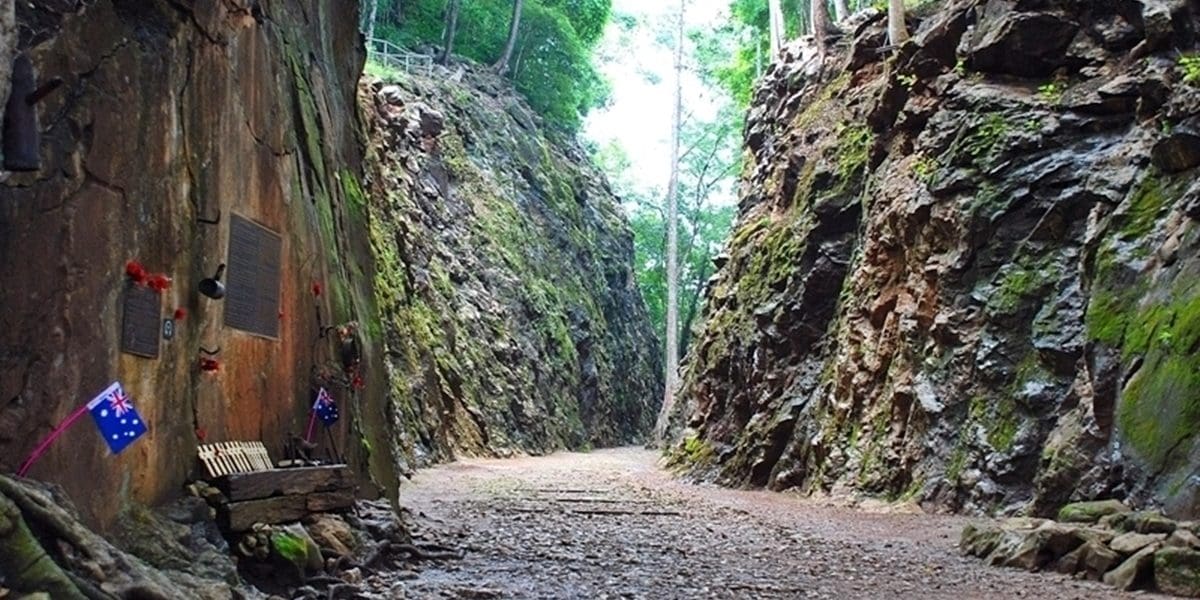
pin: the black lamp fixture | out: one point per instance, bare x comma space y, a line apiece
212, 286
22, 139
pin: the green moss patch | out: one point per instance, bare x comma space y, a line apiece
1144, 208
291, 547
1091, 511
853, 151
1161, 406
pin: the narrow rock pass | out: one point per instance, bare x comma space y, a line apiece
612, 524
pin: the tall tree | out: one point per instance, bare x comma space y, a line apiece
672, 333
775, 11
821, 26
371, 20
840, 10
450, 31
502, 64
897, 30
8, 47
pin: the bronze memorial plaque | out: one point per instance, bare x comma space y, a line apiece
140, 320
252, 279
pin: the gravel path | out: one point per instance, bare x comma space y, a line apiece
611, 524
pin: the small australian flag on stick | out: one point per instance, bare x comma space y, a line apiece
325, 408
119, 423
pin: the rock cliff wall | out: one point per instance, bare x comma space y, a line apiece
169, 114
965, 272
483, 273
510, 312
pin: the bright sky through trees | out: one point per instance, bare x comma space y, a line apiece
637, 62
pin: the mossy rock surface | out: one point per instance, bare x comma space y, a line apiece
1150, 522
1177, 571
980, 541
1091, 511
294, 545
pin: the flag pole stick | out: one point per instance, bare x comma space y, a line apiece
45, 445
312, 420
333, 443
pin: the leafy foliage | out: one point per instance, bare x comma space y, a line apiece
552, 63
1190, 64
735, 55
1052, 93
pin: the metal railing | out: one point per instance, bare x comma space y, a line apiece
387, 53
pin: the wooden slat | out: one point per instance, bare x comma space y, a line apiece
259, 459
206, 457
240, 516
244, 458
225, 458
282, 482
225, 453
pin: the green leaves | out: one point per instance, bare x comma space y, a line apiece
708, 167
552, 62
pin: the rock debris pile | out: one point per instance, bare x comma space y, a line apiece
1098, 540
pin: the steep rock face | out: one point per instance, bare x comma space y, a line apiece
170, 113
965, 273
511, 316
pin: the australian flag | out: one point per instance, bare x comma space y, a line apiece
119, 423
325, 408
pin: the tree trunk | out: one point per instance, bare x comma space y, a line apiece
451, 30
502, 64
897, 30
775, 10
822, 28
840, 10
672, 349
371, 20
8, 47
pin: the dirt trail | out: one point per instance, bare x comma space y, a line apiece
611, 524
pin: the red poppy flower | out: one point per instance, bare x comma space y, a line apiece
135, 271
201, 434
316, 288
209, 365
180, 314
159, 283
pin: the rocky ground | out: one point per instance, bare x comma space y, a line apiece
611, 524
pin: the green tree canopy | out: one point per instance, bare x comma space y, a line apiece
735, 54
552, 63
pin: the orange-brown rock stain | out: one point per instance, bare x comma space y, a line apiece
166, 118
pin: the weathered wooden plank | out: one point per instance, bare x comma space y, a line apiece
240, 516
283, 482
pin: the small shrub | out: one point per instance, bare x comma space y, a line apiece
385, 72
1052, 93
1190, 65
925, 168
987, 136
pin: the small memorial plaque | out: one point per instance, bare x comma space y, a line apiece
252, 280
168, 328
140, 320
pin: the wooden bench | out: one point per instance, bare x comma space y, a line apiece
257, 492
224, 458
